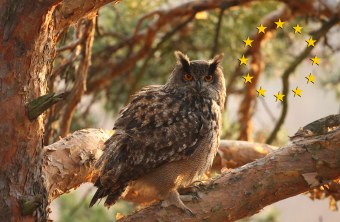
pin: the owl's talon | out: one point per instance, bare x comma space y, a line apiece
175, 199
190, 213
191, 197
195, 197
183, 208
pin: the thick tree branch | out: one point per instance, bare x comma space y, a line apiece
70, 162
309, 161
237, 153
71, 11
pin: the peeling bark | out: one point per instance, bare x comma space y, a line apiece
70, 162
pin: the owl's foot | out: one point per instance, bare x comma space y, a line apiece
189, 194
191, 197
175, 199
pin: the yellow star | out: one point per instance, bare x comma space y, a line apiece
315, 60
279, 24
248, 42
279, 96
260, 91
243, 60
297, 92
261, 28
310, 42
297, 29
247, 78
310, 78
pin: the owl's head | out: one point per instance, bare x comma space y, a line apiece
199, 76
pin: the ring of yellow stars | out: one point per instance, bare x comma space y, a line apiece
279, 96
297, 29
247, 78
248, 42
297, 92
279, 24
315, 60
261, 28
310, 42
261, 91
243, 60
310, 78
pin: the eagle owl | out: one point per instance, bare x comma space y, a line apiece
167, 136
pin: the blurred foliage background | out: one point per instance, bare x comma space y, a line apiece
115, 23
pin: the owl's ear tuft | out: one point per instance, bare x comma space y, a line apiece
218, 58
215, 62
183, 60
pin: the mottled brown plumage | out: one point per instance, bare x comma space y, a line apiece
167, 136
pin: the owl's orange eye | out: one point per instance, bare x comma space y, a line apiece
208, 78
187, 77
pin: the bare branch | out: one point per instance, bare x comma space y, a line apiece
256, 68
147, 36
166, 37
217, 33
72, 45
291, 68
81, 75
268, 110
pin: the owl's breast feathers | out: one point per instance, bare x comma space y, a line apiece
155, 128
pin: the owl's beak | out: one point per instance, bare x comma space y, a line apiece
198, 85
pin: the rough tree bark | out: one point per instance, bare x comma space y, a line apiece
28, 36
25, 60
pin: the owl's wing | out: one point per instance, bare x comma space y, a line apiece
159, 128
155, 128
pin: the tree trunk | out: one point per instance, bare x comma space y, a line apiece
28, 36
27, 45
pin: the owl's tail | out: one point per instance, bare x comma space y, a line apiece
112, 193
